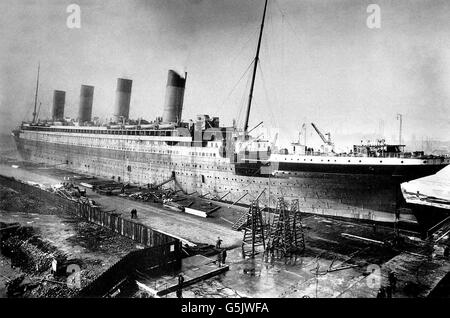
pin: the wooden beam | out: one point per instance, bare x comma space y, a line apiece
238, 200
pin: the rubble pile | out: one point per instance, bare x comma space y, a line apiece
28, 251
69, 191
99, 239
153, 195
113, 187
11, 200
34, 257
35, 266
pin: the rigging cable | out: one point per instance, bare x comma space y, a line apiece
27, 112
234, 87
272, 66
243, 100
272, 115
232, 61
284, 15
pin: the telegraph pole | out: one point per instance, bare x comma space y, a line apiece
36, 95
400, 117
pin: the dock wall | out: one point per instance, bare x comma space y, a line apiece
136, 231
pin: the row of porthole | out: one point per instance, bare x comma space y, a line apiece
114, 148
75, 143
153, 133
159, 152
95, 144
231, 189
381, 161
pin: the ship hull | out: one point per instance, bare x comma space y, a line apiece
351, 195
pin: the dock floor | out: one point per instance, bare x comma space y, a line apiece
193, 269
333, 264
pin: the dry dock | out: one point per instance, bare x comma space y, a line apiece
341, 259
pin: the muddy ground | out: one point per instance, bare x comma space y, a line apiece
46, 233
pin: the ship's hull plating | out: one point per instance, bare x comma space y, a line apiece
354, 195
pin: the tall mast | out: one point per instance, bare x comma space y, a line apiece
250, 96
35, 96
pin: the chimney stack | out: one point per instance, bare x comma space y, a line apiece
123, 96
86, 98
59, 99
173, 105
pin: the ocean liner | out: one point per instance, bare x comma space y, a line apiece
223, 163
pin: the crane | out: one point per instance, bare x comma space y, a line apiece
326, 141
329, 145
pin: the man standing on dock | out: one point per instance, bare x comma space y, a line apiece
393, 282
224, 256
219, 259
218, 242
180, 286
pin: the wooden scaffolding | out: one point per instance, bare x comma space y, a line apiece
286, 236
253, 231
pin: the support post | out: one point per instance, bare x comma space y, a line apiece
238, 200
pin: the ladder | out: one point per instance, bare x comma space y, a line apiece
253, 232
239, 224
297, 228
286, 234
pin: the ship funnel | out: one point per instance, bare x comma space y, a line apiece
59, 99
173, 105
123, 95
86, 97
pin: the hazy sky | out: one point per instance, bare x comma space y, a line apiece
319, 61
